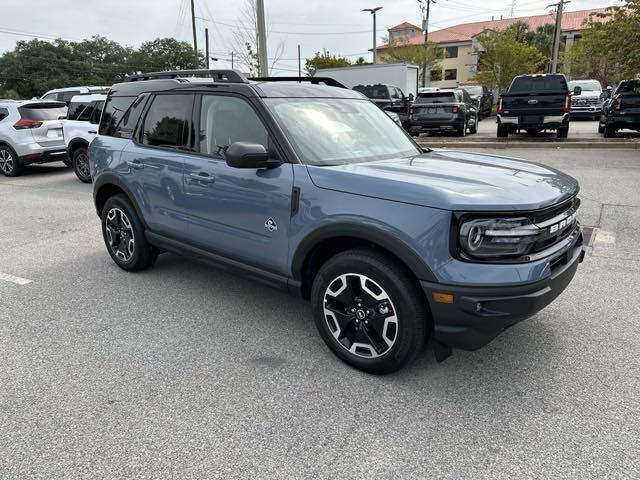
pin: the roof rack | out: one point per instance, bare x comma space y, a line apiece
330, 82
223, 76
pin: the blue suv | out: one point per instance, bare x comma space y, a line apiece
313, 189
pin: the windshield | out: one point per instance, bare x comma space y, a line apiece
474, 91
586, 85
436, 97
331, 131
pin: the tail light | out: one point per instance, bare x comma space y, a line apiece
26, 123
499, 108
455, 108
567, 103
617, 103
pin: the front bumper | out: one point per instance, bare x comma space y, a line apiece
478, 314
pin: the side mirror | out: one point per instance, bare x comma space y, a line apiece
577, 90
605, 95
410, 97
249, 155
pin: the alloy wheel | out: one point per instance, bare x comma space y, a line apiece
360, 315
6, 161
82, 165
119, 232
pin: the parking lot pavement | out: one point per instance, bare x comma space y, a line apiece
183, 371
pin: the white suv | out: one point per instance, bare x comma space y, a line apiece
30, 132
80, 128
66, 94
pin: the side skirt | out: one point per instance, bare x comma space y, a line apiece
271, 279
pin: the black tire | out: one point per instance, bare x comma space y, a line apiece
609, 131
81, 164
131, 257
9, 163
600, 128
474, 128
406, 307
461, 131
503, 131
562, 132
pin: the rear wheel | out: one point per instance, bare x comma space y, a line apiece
81, 164
9, 163
123, 235
600, 128
462, 130
562, 132
369, 311
503, 131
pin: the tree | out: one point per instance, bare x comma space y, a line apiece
608, 50
164, 54
244, 41
324, 60
504, 56
399, 50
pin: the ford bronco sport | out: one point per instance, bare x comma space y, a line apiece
315, 190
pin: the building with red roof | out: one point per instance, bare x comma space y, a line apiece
458, 41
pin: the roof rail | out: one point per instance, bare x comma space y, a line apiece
330, 82
223, 76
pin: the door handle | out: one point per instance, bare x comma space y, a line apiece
92, 131
203, 177
136, 164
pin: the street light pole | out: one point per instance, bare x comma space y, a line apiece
262, 39
425, 26
373, 12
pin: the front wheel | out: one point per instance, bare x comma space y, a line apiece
503, 131
81, 164
123, 235
369, 311
609, 131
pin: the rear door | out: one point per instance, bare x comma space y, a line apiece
628, 97
45, 122
435, 106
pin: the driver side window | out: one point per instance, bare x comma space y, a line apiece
225, 120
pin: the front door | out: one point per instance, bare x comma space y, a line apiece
242, 214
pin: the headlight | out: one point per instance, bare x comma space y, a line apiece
491, 238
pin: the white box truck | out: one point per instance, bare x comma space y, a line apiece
401, 75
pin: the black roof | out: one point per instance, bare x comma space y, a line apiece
232, 81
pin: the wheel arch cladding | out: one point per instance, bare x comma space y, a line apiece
317, 247
107, 189
75, 144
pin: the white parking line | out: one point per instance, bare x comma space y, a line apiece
10, 278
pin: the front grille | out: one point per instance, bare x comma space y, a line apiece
584, 102
556, 224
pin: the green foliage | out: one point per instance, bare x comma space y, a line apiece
325, 60
608, 50
11, 95
506, 55
36, 66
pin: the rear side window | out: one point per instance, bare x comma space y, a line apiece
166, 123
373, 91
436, 97
43, 111
85, 115
114, 110
67, 96
97, 111
547, 83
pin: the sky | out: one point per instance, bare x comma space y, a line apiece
339, 26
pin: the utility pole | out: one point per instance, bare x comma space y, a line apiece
299, 64
556, 33
262, 39
231, 60
425, 6
195, 37
206, 39
373, 12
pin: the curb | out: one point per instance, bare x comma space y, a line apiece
630, 145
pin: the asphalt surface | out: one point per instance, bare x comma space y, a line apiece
183, 371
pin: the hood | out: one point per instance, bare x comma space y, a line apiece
452, 180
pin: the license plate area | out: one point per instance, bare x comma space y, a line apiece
531, 119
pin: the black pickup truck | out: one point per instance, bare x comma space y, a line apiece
535, 103
622, 110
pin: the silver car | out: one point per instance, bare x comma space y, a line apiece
30, 132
